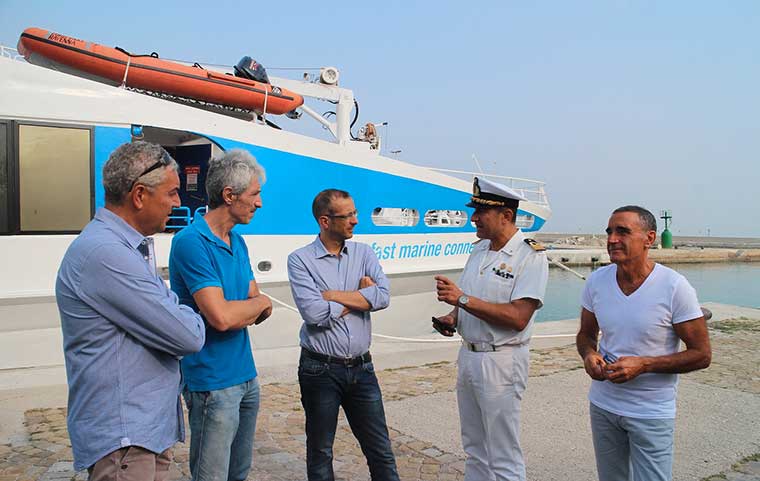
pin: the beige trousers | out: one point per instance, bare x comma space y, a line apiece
132, 463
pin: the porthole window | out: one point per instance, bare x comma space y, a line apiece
525, 221
395, 216
264, 266
445, 218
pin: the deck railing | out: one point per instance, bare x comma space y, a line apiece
179, 219
533, 190
11, 53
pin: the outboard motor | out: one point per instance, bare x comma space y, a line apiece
250, 69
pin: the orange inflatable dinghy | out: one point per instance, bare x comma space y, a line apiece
116, 67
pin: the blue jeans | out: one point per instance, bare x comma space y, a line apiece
222, 424
324, 388
632, 448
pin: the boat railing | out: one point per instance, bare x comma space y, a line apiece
179, 218
10, 52
533, 190
200, 212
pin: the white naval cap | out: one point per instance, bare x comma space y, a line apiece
493, 194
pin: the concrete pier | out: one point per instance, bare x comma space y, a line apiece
718, 424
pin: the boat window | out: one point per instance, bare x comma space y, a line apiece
445, 218
395, 216
525, 221
54, 178
4, 207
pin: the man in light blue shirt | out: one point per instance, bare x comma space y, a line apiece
123, 329
210, 270
336, 284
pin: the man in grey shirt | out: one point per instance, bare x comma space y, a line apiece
335, 285
123, 329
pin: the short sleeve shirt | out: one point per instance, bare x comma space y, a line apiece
639, 324
200, 259
516, 271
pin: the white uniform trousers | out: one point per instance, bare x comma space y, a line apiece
489, 390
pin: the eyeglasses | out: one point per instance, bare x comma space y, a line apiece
350, 215
163, 161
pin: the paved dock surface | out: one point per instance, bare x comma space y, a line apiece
718, 424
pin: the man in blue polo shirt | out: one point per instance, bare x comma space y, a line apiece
210, 271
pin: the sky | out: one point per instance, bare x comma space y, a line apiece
654, 103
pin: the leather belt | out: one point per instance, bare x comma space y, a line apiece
342, 361
486, 347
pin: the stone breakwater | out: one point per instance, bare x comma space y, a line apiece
594, 256
41, 451
590, 250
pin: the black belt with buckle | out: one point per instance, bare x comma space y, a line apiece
342, 361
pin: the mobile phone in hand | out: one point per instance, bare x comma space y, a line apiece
444, 329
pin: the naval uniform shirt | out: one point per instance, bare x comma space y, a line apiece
515, 271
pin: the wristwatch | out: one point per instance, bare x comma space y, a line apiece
463, 300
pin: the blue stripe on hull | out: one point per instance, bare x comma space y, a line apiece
293, 180
106, 141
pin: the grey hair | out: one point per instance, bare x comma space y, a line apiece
648, 222
125, 165
234, 169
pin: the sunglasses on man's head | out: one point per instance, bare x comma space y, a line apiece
163, 161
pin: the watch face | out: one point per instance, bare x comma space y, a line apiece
463, 300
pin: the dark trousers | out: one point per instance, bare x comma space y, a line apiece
325, 386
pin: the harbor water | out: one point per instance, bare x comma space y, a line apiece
727, 283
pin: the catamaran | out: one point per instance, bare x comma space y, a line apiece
58, 125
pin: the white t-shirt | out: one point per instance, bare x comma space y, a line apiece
516, 271
640, 324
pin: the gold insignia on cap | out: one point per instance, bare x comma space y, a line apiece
475, 188
503, 265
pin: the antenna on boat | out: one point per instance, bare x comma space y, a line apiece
477, 162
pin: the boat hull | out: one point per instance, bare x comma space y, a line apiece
298, 167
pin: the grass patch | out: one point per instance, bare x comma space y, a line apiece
736, 468
748, 459
737, 324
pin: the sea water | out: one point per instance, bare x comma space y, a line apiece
726, 283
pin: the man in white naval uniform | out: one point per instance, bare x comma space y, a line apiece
502, 287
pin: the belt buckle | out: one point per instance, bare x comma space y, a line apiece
481, 346
345, 361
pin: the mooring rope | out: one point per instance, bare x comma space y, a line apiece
413, 339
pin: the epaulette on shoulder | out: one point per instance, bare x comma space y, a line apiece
536, 246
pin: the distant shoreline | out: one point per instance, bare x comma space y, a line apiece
678, 241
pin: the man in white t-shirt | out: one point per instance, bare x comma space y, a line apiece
643, 310
494, 306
